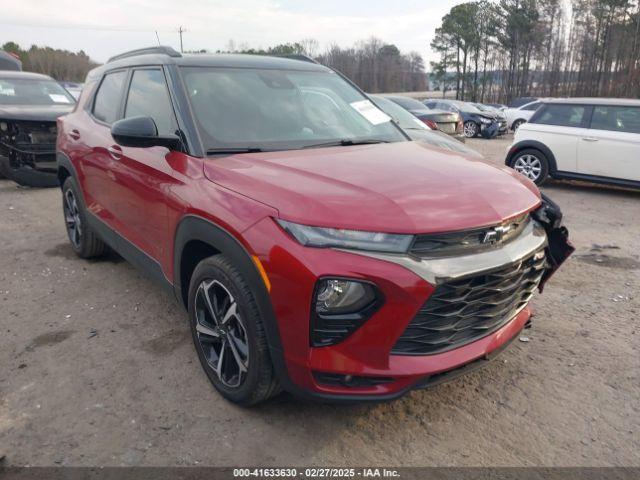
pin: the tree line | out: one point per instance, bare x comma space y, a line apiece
62, 65
496, 51
373, 65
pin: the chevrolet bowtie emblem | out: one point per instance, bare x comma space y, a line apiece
496, 234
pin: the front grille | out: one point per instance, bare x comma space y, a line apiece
467, 241
465, 310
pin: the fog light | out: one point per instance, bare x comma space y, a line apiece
339, 307
335, 296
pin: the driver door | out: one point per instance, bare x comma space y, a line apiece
142, 176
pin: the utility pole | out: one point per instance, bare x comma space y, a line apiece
180, 32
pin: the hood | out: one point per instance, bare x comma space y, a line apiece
441, 140
403, 187
44, 113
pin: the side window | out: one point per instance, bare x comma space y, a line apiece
149, 96
617, 119
107, 100
565, 115
532, 106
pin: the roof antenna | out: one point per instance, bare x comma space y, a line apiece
158, 37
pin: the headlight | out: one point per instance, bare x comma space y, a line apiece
486, 121
355, 239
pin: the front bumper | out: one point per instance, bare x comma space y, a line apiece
26, 175
405, 284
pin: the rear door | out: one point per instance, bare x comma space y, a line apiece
611, 147
559, 127
142, 175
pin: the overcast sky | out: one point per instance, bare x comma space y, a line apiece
104, 28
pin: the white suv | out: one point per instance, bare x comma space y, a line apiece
594, 139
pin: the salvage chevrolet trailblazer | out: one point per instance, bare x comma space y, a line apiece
315, 247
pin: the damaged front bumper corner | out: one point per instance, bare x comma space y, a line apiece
27, 153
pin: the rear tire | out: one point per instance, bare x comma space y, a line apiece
531, 163
233, 353
84, 240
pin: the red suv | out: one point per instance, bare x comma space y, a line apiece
315, 247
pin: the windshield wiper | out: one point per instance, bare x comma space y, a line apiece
345, 142
232, 150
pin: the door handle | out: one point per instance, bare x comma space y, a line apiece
115, 151
590, 139
75, 134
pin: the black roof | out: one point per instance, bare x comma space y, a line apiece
168, 56
8, 74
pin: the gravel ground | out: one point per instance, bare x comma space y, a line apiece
97, 366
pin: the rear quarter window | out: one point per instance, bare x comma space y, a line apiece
616, 119
562, 115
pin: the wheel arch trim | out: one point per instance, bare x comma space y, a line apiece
193, 227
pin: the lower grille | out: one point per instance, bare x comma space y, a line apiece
463, 311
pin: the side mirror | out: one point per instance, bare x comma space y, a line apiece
141, 132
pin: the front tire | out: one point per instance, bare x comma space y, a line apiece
84, 240
229, 334
531, 163
471, 129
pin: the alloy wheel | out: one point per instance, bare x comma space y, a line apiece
470, 129
72, 218
528, 165
221, 333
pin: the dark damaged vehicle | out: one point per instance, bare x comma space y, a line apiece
30, 103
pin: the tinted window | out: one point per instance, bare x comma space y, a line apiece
565, 115
617, 119
107, 101
148, 96
408, 103
445, 106
533, 106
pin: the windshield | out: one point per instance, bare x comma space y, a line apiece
402, 117
248, 108
28, 91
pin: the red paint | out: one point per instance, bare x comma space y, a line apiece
404, 187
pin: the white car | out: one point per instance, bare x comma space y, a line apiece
594, 139
518, 116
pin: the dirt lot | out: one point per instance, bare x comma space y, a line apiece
97, 366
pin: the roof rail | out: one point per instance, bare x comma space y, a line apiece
162, 50
297, 56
